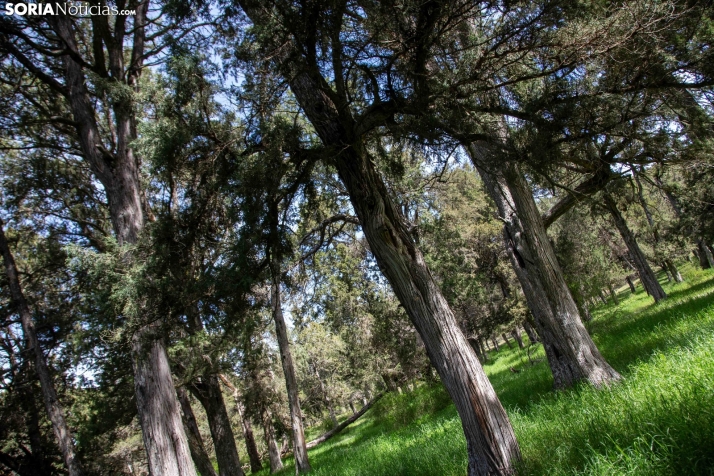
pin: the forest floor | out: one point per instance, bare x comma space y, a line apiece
658, 421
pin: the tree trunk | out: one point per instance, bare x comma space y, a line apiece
631, 284
207, 390
530, 332
494, 341
517, 336
32, 344
276, 464
648, 278
491, 443
706, 258
603, 298
572, 355
674, 271
164, 437
250, 444
195, 441
613, 293
302, 463
505, 339
162, 429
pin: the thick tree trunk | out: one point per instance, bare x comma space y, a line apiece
648, 278
164, 437
195, 441
631, 284
674, 271
302, 463
207, 390
32, 344
572, 355
266, 417
491, 443
704, 253
517, 336
162, 429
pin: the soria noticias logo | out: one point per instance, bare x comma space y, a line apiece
76, 9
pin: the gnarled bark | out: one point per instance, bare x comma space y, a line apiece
572, 355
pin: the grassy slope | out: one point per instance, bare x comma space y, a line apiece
660, 420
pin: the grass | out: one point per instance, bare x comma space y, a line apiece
658, 421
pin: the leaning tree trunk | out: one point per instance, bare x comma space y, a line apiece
207, 390
250, 444
266, 418
49, 395
302, 463
490, 440
530, 332
674, 271
704, 253
571, 352
195, 441
648, 278
631, 284
517, 336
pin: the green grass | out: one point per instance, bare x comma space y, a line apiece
658, 421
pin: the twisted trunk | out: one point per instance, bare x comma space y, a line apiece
571, 353
648, 278
54, 409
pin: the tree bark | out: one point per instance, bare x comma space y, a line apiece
302, 463
162, 428
572, 355
207, 390
494, 341
517, 336
704, 252
491, 443
195, 441
250, 444
119, 173
505, 339
631, 284
532, 336
32, 344
251, 447
613, 293
674, 271
648, 278
266, 417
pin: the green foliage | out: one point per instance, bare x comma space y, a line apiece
656, 422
